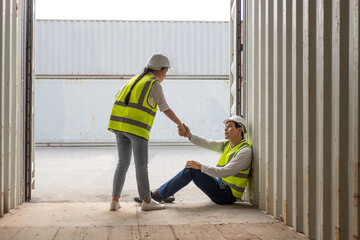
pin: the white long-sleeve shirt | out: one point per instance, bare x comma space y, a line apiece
240, 162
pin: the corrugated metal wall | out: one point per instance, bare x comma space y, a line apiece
80, 109
302, 69
80, 65
16, 69
68, 47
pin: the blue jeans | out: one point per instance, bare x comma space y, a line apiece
125, 143
209, 185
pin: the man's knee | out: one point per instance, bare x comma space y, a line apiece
194, 172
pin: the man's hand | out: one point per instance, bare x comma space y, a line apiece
193, 164
181, 130
184, 131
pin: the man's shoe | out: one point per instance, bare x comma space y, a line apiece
114, 206
168, 200
138, 200
152, 205
156, 196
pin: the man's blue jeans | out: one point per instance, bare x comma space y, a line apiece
209, 185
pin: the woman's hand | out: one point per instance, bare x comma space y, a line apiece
187, 131
181, 130
184, 131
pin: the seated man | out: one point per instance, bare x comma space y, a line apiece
224, 183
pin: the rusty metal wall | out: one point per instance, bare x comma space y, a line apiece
302, 70
12, 62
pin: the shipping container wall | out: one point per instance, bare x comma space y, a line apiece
12, 63
80, 66
80, 110
122, 48
302, 69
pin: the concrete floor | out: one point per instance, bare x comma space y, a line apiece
73, 189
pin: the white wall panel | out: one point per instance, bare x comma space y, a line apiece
80, 109
80, 64
302, 68
69, 47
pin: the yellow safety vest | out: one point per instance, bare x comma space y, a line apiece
138, 116
237, 182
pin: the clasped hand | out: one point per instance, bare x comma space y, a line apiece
184, 131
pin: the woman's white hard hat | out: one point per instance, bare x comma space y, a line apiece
158, 61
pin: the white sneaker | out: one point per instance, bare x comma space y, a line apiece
153, 205
114, 206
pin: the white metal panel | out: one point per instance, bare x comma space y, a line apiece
83, 61
8, 153
354, 120
233, 55
69, 47
2, 98
80, 109
11, 103
302, 63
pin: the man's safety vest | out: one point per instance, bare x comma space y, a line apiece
237, 182
138, 116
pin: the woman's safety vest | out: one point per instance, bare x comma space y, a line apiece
138, 116
237, 182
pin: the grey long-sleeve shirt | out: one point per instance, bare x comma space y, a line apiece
240, 162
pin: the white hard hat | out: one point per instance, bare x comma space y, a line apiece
158, 61
237, 119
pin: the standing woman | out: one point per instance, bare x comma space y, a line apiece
131, 119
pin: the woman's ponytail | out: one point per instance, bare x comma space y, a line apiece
127, 98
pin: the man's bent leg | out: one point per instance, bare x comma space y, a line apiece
175, 184
210, 186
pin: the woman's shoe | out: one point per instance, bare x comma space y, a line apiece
114, 206
152, 205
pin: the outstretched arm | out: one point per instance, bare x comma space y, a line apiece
170, 114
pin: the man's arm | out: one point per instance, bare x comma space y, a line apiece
215, 145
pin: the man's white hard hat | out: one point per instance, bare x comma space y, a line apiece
158, 61
237, 119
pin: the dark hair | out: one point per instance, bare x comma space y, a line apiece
146, 70
237, 125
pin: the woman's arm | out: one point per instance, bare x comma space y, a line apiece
170, 114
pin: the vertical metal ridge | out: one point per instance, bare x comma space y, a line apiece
335, 118
310, 111
276, 116
354, 121
2, 98
11, 103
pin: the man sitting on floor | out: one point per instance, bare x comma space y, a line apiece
226, 182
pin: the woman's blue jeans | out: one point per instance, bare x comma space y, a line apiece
209, 185
125, 143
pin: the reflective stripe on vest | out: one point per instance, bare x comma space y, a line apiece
237, 182
138, 116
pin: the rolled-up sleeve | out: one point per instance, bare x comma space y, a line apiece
157, 93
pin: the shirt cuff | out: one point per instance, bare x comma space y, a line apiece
204, 168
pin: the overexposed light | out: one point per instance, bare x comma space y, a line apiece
187, 10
